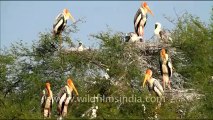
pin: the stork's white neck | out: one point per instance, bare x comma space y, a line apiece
144, 11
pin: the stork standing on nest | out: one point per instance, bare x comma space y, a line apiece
141, 18
153, 83
165, 68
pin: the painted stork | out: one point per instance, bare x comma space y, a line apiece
61, 21
47, 101
165, 68
140, 19
161, 34
64, 97
153, 84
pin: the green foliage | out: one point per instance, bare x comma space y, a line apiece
194, 39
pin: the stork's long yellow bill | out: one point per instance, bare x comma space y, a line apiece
145, 79
73, 86
149, 10
71, 17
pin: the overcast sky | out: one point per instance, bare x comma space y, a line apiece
23, 20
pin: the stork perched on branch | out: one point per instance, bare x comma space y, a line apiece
61, 21
165, 68
141, 18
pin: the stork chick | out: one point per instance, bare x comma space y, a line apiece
161, 34
80, 47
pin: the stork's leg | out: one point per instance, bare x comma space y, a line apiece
163, 83
49, 112
169, 85
46, 111
167, 81
140, 31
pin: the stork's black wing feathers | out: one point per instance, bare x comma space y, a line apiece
145, 23
146, 20
138, 13
58, 19
62, 26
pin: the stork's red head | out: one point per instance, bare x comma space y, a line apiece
145, 6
